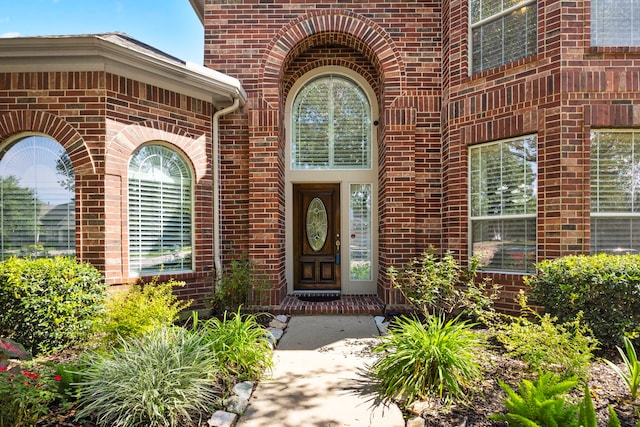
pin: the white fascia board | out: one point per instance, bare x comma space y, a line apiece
91, 53
198, 7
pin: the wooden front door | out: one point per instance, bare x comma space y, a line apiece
316, 247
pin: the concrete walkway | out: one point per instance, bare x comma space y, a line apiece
319, 378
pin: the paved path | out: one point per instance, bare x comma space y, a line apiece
319, 378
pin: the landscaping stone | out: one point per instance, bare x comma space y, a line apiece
419, 407
222, 419
379, 319
282, 318
416, 422
236, 404
275, 323
276, 334
244, 389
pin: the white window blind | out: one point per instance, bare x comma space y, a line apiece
615, 191
160, 203
331, 126
503, 196
502, 31
37, 199
615, 23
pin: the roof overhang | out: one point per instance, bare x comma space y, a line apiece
121, 55
198, 7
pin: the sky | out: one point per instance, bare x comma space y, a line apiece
171, 26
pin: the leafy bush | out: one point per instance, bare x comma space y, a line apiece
142, 308
632, 375
435, 358
543, 343
440, 286
606, 288
25, 394
163, 379
539, 403
241, 284
49, 303
240, 346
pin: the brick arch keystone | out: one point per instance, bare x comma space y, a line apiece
365, 36
120, 148
54, 126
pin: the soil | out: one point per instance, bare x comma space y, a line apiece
606, 389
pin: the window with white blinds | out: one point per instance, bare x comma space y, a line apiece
160, 211
37, 199
331, 125
503, 203
502, 31
615, 191
615, 23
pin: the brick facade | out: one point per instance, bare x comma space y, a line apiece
101, 119
415, 57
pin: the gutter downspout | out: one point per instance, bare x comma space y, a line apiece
216, 185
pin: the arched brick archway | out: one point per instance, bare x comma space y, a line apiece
57, 128
396, 137
325, 27
118, 151
26, 121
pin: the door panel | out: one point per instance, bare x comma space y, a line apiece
316, 225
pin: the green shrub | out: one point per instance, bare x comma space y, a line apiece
241, 283
435, 358
160, 379
240, 346
49, 303
542, 342
439, 285
141, 309
605, 288
541, 403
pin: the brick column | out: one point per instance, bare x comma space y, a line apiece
266, 201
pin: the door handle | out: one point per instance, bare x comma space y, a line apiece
338, 249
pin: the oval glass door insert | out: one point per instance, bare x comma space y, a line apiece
317, 224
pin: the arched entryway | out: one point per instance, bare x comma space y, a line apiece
350, 46
331, 183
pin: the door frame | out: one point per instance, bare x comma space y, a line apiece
345, 178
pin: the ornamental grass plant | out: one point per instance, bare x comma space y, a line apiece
420, 360
164, 378
240, 346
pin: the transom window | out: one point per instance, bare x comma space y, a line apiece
37, 199
160, 206
331, 125
615, 22
502, 31
504, 178
615, 191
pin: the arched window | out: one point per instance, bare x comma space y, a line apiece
331, 125
37, 199
160, 209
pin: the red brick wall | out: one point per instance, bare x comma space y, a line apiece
268, 46
101, 119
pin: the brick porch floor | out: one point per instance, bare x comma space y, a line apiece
345, 304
